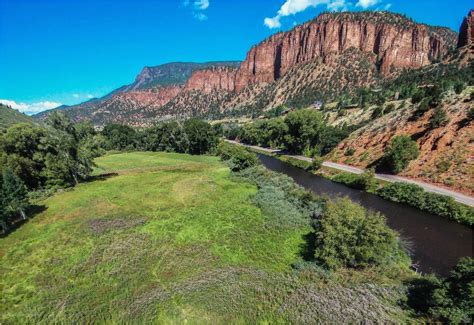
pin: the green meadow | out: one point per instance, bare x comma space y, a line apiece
172, 238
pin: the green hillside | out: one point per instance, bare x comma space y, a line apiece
10, 116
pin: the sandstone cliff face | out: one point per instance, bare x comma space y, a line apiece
206, 80
396, 41
466, 33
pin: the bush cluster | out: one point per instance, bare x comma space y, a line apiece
415, 196
365, 181
449, 300
238, 157
347, 235
398, 154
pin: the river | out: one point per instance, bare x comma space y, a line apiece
437, 243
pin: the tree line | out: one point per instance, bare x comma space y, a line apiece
302, 131
60, 154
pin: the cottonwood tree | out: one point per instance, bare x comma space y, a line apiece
14, 195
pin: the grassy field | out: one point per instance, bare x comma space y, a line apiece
169, 238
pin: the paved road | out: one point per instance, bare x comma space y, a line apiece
384, 177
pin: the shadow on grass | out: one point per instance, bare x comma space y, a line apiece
308, 247
101, 177
14, 224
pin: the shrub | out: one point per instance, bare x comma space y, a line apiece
439, 118
365, 181
417, 97
238, 157
378, 111
423, 107
399, 153
459, 87
281, 198
349, 152
317, 163
415, 196
389, 108
470, 114
347, 235
449, 300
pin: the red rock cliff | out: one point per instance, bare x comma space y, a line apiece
466, 33
395, 40
213, 78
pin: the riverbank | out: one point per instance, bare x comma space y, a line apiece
458, 197
422, 231
400, 190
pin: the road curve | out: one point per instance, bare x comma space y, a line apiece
467, 200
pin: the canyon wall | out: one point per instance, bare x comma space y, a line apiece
205, 80
466, 33
395, 40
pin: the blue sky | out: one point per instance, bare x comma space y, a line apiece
63, 52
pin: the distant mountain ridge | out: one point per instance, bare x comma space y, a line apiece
334, 53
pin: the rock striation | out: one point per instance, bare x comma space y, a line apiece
206, 80
466, 33
395, 40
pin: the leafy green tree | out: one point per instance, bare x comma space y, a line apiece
14, 195
84, 130
347, 235
173, 137
65, 163
400, 152
439, 118
119, 137
304, 130
201, 136
275, 132
20, 149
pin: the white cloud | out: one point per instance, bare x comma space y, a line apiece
77, 96
387, 6
32, 108
197, 7
367, 3
200, 16
201, 4
337, 5
292, 7
272, 22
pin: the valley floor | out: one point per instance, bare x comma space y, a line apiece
162, 237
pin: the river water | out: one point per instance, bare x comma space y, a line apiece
437, 243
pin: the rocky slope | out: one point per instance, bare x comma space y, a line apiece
334, 54
446, 153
